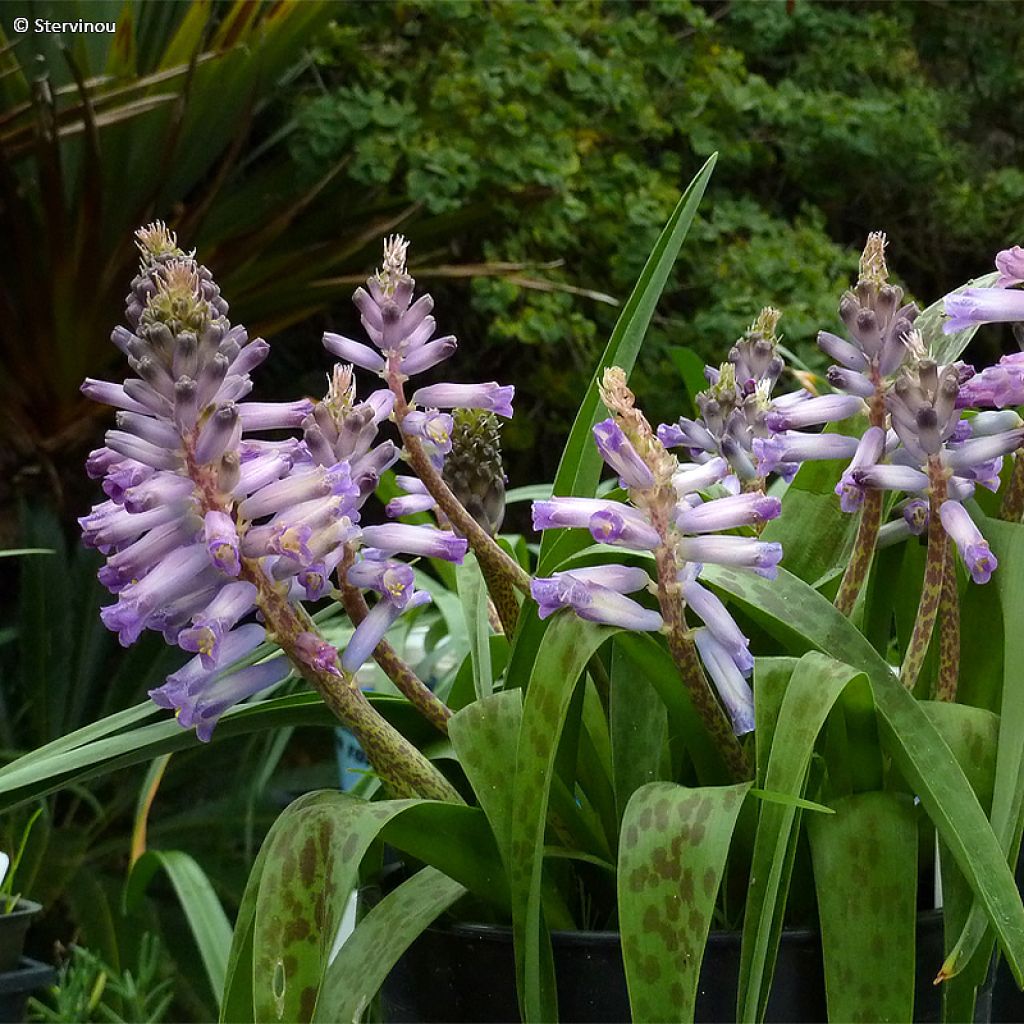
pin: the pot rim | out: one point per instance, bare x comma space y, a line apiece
23, 908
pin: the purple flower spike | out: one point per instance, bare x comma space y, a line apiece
371, 630
728, 513
733, 690
617, 450
1010, 264
425, 541
593, 602
973, 547
609, 526
222, 542
974, 306
492, 397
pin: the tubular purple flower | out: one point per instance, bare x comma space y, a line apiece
492, 397
257, 472
916, 513
316, 652
722, 625
135, 560
425, 541
315, 580
205, 708
985, 424
408, 505
609, 526
143, 425
761, 556
733, 690
558, 512
222, 431
593, 602
127, 475
794, 447
394, 581
212, 624
429, 355
353, 352
728, 513
842, 351
619, 453
159, 489
671, 435
690, 479
111, 394
274, 415
431, 425
999, 386
1010, 264
623, 579
106, 529
973, 547
371, 630
974, 306
222, 542
982, 449
869, 451
891, 478
317, 482
815, 411
850, 381
132, 447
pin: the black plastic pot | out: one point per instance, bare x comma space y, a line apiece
1007, 999
13, 927
17, 985
466, 973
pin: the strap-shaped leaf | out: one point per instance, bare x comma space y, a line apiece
206, 918
800, 616
672, 855
580, 467
473, 595
1007, 540
567, 646
814, 687
368, 954
865, 877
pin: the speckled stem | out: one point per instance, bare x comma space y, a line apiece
489, 554
503, 597
400, 766
870, 523
684, 653
931, 587
430, 706
949, 631
1012, 507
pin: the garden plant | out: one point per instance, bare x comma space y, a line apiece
767, 673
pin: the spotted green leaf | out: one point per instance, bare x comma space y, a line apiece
800, 617
812, 691
387, 931
865, 877
567, 645
672, 855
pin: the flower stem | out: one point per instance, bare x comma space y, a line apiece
491, 557
949, 631
1012, 507
431, 707
870, 523
399, 765
931, 586
684, 653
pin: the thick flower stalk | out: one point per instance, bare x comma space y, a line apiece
878, 322
1001, 385
937, 457
755, 431
402, 334
667, 516
207, 524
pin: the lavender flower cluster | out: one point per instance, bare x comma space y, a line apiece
208, 521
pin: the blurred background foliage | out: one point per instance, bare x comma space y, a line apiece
532, 152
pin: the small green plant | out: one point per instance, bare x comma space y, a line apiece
9, 869
88, 989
